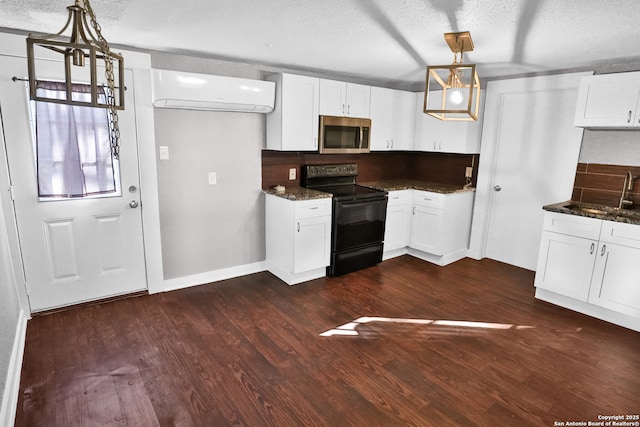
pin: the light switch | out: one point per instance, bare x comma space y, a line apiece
213, 179
292, 174
164, 152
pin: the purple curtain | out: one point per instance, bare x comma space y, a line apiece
73, 146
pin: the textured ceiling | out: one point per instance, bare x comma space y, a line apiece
388, 41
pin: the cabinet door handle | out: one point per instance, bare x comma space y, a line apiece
629, 117
604, 249
314, 208
593, 246
392, 143
414, 210
348, 110
343, 109
298, 227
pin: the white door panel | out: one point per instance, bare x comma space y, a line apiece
80, 249
531, 148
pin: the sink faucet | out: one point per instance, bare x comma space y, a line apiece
628, 186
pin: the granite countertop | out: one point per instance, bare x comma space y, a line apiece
298, 193
412, 184
302, 193
607, 213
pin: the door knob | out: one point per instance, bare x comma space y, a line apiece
497, 188
133, 204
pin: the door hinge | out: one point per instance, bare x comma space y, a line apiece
28, 288
11, 192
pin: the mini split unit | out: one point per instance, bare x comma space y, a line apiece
177, 89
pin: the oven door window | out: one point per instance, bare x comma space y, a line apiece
358, 223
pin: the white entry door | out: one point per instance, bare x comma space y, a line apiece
73, 250
530, 149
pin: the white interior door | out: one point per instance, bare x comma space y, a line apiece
73, 250
530, 149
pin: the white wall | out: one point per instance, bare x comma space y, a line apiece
10, 317
14, 306
207, 228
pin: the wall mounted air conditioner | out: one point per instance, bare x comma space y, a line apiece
177, 89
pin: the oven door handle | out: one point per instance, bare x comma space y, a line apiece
361, 201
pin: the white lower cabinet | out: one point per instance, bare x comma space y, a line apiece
398, 222
298, 238
431, 226
590, 265
567, 265
616, 283
426, 229
441, 226
568, 248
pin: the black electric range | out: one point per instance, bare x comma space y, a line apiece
358, 216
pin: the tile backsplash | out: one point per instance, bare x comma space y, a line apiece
603, 184
443, 168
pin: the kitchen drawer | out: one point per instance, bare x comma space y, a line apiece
312, 208
620, 233
400, 197
428, 199
573, 225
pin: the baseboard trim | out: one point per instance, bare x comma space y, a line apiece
440, 260
213, 276
591, 310
393, 253
12, 390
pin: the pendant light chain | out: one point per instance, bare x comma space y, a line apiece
114, 128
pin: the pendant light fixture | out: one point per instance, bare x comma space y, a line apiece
453, 91
81, 53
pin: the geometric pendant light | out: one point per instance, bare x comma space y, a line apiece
79, 56
453, 91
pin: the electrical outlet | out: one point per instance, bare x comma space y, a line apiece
468, 173
164, 152
213, 178
292, 174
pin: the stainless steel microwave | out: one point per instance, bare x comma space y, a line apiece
344, 135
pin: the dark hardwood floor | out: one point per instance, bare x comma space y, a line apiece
248, 352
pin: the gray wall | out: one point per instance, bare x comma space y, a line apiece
209, 227
611, 147
9, 306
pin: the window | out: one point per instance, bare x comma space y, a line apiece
73, 147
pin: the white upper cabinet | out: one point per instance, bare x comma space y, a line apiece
432, 134
609, 101
293, 124
344, 99
392, 119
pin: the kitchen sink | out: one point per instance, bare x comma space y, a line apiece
588, 209
603, 210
